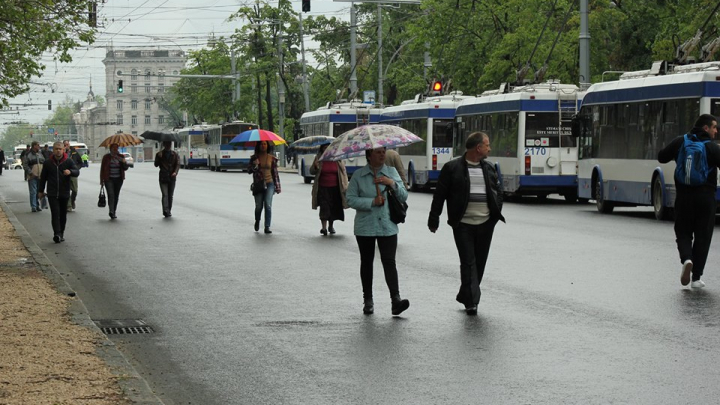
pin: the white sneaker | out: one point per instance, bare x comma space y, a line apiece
697, 284
686, 272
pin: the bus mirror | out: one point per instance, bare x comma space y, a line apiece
576, 126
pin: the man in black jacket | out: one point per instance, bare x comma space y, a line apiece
695, 206
75, 157
2, 160
56, 173
473, 192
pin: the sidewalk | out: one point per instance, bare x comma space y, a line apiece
50, 351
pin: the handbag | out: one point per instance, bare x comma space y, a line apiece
101, 198
258, 187
398, 210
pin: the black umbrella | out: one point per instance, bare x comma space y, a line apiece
162, 136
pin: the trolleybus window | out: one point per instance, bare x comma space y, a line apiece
542, 129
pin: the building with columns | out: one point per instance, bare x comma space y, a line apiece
138, 108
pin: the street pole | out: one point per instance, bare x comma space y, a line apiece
281, 95
353, 39
584, 45
233, 70
380, 62
306, 92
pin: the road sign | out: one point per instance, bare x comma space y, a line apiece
369, 97
51, 130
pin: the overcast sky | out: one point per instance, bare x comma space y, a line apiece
140, 23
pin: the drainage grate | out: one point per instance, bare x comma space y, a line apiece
124, 326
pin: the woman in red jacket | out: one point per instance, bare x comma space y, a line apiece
112, 175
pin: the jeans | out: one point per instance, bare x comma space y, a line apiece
694, 218
33, 188
58, 212
264, 200
167, 190
388, 248
73, 190
473, 245
112, 188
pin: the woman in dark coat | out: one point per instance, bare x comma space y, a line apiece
328, 191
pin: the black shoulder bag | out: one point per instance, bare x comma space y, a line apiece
398, 210
101, 198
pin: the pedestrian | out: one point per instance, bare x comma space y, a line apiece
75, 157
695, 204
46, 152
112, 176
85, 159
2, 160
329, 191
264, 169
392, 158
367, 193
169, 163
473, 192
56, 173
32, 164
22, 159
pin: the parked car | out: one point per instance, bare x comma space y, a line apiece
129, 159
14, 164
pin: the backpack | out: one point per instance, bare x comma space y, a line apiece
691, 166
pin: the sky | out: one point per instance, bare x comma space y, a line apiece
173, 24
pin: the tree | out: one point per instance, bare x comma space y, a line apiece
30, 28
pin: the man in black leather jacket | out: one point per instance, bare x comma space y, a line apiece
473, 192
56, 173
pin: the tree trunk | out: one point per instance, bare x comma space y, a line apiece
259, 100
268, 101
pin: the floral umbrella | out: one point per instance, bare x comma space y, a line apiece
356, 141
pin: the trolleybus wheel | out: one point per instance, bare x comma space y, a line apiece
603, 206
661, 212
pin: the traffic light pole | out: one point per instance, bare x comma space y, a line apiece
353, 45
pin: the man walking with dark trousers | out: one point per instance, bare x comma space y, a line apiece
2, 160
169, 163
473, 192
697, 158
75, 157
56, 173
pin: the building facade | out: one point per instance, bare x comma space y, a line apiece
91, 123
139, 107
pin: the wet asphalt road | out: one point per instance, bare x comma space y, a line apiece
577, 307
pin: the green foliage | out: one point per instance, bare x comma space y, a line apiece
473, 46
30, 28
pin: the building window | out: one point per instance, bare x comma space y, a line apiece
133, 89
134, 120
147, 88
119, 119
161, 119
133, 74
133, 104
147, 75
119, 104
147, 119
161, 88
147, 104
134, 133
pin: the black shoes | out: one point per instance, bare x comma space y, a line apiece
369, 307
471, 310
323, 232
398, 305
167, 214
56, 238
267, 229
331, 230
112, 216
62, 237
257, 225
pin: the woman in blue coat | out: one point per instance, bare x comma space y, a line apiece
367, 193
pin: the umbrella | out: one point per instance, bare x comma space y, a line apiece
310, 144
257, 135
122, 140
162, 136
356, 141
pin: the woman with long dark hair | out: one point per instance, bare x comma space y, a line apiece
266, 181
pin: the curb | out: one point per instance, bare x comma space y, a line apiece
134, 387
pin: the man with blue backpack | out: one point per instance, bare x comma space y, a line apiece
697, 159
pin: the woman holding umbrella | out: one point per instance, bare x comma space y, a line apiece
366, 194
328, 191
264, 168
112, 176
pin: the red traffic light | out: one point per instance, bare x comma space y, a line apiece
437, 86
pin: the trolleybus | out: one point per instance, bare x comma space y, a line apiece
222, 155
193, 150
530, 134
624, 123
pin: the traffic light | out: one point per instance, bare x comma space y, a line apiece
49, 105
306, 6
436, 88
120, 86
92, 14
